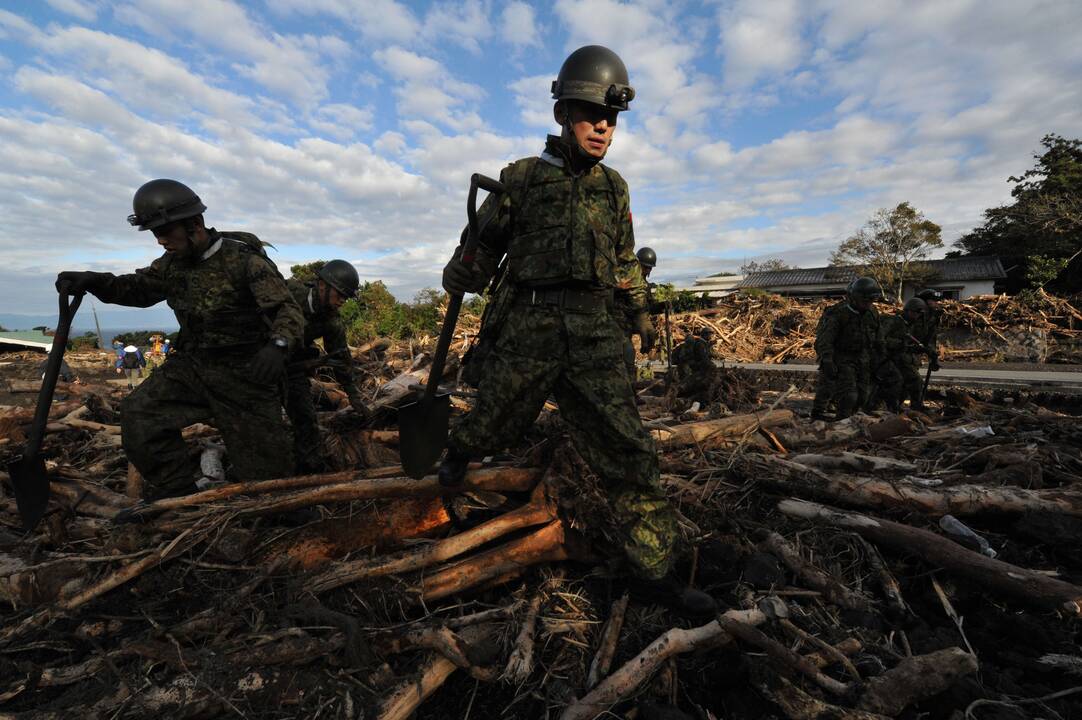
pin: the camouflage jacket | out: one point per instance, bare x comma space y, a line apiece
230, 298
561, 228
694, 355
895, 333
844, 332
323, 323
927, 329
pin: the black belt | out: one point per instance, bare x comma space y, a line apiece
570, 299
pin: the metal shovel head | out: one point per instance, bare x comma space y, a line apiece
422, 433
31, 484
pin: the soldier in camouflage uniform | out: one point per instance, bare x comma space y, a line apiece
693, 361
625, 314
237, 322
564, 224
846, 343
899, 373
927, 330
319, 300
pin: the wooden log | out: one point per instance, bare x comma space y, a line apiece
544, 545
832, 589
1029, 586
916, 678
862, 491
602, 661
133, 485
629, 677
708, 432
535, 513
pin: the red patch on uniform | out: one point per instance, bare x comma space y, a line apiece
629, 216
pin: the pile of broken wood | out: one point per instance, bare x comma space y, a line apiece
891, 566
773, 329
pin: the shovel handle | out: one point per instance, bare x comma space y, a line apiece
68, 308
454, 302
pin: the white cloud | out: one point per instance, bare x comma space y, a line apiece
760, 38
377, 20
285, 64
426, 89
518, 25
341, 121
81, 9
533, 95
464, 23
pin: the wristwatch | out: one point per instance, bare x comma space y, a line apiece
281, 343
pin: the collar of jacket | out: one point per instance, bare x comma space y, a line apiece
559, 153
215, 244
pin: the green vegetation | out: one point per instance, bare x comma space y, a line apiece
376, 313
682, 300
86, 341
1039, 234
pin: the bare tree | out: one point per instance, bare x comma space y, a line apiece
891, 245
767, 265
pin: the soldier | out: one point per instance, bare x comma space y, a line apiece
238, 323
846, 342
928, 329
564, 224
625, 314
899, 372
335, 282
693, 360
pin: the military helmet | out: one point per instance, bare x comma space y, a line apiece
341, 276
706, 332
930, 295
865, 287
595, 75
915, 304
160, 202
647, 257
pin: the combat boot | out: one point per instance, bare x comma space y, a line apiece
670, 593
452, 472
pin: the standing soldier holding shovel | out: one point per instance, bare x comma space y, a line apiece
564, 223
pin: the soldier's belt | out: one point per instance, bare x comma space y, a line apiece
569, 299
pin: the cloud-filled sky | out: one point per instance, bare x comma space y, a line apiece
349, 128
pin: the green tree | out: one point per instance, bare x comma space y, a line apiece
1039, 234
768, 265
306, 272
891, 245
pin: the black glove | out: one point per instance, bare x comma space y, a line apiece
828, 368
269, 364
74, 282
460, 278
933, 362
644, 328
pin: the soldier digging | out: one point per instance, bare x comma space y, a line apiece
564, 225
319, 300
238, 323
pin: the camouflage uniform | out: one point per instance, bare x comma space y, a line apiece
569, 243
624, 314
898, 376
319, 322
849, 339
693, 361
228, 303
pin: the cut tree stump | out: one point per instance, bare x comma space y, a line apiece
709, 432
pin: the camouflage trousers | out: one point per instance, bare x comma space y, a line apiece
576, 358
190, 388
307, 445
850, 388
899, 380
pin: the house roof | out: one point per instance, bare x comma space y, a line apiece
26, 338
945, 270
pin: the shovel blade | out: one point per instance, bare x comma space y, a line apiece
422, 434
31, 484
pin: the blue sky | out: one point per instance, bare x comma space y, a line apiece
348, 128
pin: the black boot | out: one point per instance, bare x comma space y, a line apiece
452, 470
684, 601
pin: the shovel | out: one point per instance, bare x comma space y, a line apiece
422, 425
28, 476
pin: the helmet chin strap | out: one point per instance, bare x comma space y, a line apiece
585, 159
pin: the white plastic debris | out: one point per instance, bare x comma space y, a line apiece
965, 536
212, 465
974, 431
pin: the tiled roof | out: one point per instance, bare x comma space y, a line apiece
945, 270
26, 338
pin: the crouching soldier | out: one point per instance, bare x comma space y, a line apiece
238, 323
693, 362
320, 300
899, 372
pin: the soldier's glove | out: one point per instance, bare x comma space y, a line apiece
460, 278
73, 282
644, 328
269, 364
828, 368
933, 362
